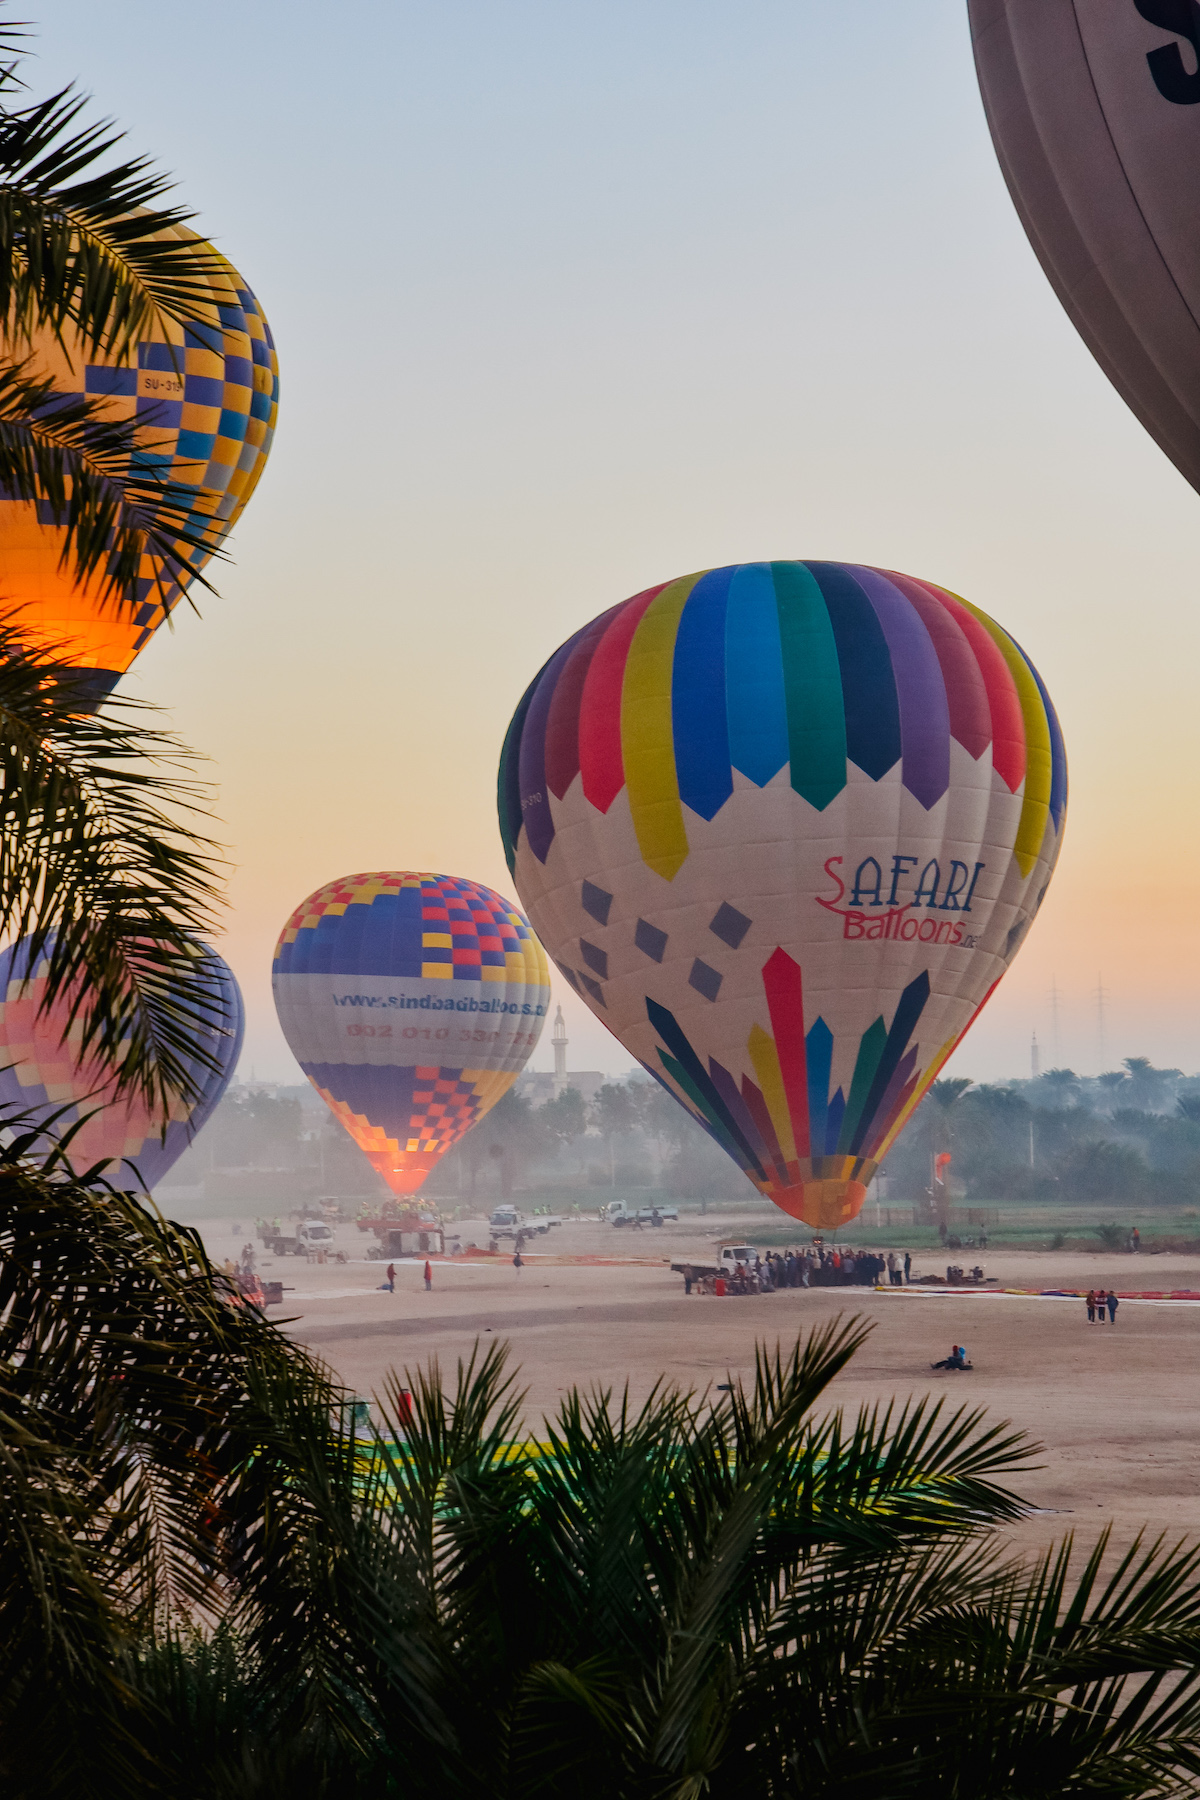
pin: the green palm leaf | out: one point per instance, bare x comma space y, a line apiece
103, 868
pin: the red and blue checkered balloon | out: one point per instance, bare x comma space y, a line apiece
412, 1003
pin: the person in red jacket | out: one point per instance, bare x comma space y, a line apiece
428, 1276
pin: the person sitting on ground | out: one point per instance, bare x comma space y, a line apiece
957, 1359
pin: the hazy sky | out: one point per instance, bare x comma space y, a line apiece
571, 298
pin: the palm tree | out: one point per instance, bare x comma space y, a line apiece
129, 1421
101, 857
89, 250
691, 1597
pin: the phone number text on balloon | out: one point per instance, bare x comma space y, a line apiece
441, 1032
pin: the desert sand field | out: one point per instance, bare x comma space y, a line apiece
1115, 1408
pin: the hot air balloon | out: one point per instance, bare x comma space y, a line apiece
783, 827
1095, 114
204, 398
46, 1075
412, 1003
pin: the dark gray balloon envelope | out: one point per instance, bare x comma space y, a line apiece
1094, 109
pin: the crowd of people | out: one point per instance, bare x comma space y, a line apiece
813, 1266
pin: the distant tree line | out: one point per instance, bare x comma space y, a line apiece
1131, 1134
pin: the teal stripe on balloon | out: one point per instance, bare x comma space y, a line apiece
871, 1047
812, 682
755, 700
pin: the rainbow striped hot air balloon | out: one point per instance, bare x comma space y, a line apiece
783, 826
412, 1002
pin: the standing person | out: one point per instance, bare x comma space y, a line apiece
1091, 1306
689, 1275
907, 1266
1111, 1301
428, 1276
390, 1278
518, 1265
1135, 1240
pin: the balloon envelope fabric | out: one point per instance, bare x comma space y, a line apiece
48, 1076
412, 1003
204, 399
783, 826
1092, 109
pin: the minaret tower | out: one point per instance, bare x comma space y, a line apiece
558, 1037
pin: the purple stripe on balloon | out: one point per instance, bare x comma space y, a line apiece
726, 1086
920, 689
535, 800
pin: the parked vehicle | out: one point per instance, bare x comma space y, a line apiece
728, 1258
310, 1234
402, 1240
507, 1222
617, 1213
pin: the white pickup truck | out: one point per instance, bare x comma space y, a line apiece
617, 1213
507, 1222
310, 1234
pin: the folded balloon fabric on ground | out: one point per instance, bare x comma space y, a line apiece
47, 1077
783, 826
412, 1002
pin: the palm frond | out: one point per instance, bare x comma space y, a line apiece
103, 870
125, 1430
87, 246
116, 511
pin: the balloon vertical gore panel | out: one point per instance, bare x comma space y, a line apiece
412, 1002
47, 1075
783, 826
203, 400
1094, 109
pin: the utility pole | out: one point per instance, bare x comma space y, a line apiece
1031, 1143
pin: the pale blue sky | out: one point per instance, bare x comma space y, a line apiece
571, 298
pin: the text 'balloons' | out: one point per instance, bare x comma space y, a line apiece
1095, 114
204, 400
783, 826
49, 1076
412, 1002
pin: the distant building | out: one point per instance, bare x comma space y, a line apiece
539, 1085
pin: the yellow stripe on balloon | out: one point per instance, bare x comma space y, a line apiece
1039, 767
647, 736
765, 1058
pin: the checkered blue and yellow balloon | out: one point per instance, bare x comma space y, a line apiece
412, 1002
204, 400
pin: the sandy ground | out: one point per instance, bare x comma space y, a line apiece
1114, 1407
